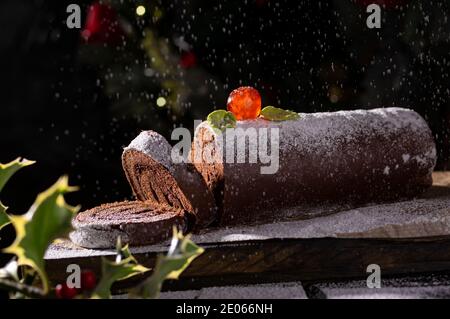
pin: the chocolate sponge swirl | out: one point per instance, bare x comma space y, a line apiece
154, 177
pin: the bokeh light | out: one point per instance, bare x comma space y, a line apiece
161, 101
140, 10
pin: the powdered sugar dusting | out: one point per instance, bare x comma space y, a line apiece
430, 216
153, 145
406, 158
324, 133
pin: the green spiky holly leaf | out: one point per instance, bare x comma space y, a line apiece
6, 171
221, 120
181, 253
4, 218
48, 218
276, 114
125, 266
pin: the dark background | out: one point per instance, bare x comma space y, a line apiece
72, 103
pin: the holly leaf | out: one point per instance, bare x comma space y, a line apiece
181, 253
49, 218
276, 114
125, 266
221, 120
4, 218
6, 171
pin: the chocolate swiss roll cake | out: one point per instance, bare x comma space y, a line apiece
357, 156
136, 222
258, 169
154, 177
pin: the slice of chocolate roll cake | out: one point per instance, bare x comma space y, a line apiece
136, 222
154, 177
358, 156
168, 194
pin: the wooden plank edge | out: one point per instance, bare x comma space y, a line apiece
276, 260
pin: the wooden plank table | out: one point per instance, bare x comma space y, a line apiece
403, 238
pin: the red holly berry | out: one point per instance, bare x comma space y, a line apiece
88, 280
188, 60
65, 292
244, 103
102, 25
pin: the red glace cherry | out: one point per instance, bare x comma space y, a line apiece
88, 280
244, 103
65, 292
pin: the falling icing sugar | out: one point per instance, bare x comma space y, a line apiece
406, 158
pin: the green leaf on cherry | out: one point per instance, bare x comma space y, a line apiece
276, 114
221, 120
